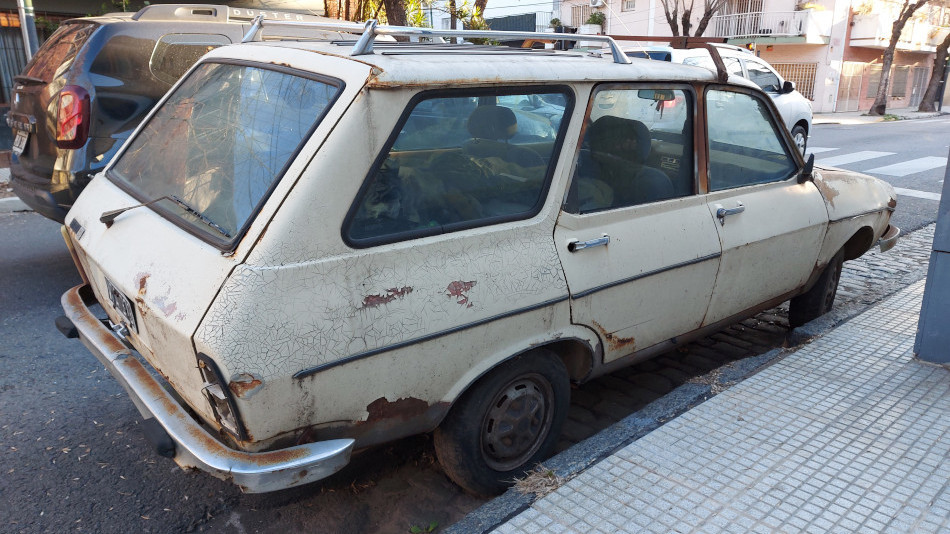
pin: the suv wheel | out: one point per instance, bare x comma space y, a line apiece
800, 136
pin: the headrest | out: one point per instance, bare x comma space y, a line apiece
611, 131
492, 122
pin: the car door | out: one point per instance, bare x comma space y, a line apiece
637, 245
770, 225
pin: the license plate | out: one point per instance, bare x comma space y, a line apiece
122, 305
19, 142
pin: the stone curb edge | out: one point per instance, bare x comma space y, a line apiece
12, 204
579, 457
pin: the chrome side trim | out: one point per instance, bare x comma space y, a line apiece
254, 472
862, 214
593, 290
372, 352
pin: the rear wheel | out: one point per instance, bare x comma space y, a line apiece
818, 300
505, 424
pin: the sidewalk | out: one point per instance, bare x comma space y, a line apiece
848, 434
862, 117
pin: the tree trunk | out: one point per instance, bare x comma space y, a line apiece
703, 22
929, 100
907, 11
687, 13
480, 7
671, 16
453, 20
395, 12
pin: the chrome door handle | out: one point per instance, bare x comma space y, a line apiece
722, 212
575, 245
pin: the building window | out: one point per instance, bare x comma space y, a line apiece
899, 83
628, 5
579, 14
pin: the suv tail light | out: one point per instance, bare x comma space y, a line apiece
72, 121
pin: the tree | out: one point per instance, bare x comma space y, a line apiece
907, 11
672, 8
929, 100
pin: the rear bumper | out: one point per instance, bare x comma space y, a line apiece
889, 239
39, 197
194, 447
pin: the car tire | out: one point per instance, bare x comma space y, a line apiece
505, 424
800, 136
818, 300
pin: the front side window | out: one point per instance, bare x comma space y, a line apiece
221, 141
637, 148
459, 161
745, 145
763, 76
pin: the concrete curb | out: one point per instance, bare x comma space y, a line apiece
857, 118
12, 204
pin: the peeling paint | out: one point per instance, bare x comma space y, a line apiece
458, 289
244, 385
407, 408
827, 191
142, 282
166, 307
374, 301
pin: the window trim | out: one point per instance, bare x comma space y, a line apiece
786, 137
687, 88
494, 91
228, 245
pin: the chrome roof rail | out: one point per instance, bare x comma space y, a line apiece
370, 29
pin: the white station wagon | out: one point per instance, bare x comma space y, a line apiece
310, 248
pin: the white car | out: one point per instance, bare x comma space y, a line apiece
794, 108
313, 247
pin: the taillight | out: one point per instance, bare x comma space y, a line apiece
72, 121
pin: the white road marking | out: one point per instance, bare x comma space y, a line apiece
929, 120
854, 157
819, 149
910, 167
916, 194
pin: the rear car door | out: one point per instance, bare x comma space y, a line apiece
636, 243
771, 226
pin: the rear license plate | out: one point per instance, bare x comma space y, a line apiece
122, 305
19, 142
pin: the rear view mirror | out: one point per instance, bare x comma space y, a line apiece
658, 95
788, 87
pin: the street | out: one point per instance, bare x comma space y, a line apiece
72, 456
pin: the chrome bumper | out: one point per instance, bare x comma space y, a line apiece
889, 239
194, 447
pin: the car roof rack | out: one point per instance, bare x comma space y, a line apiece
370, 29
687, 42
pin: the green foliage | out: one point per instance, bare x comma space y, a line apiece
415, 529
596, 17
555, 22
415, 14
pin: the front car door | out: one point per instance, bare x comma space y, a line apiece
638, 248
771, 226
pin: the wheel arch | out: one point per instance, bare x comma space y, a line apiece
859, 243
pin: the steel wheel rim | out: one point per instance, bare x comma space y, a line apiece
517, 422
800, 141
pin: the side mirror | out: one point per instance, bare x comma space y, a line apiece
788, 87
807, 170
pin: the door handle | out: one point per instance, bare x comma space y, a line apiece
722, 212
574, 245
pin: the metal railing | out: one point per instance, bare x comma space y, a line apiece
760, 23
371, 29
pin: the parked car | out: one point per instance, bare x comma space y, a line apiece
794, 108
286, 279
91, 83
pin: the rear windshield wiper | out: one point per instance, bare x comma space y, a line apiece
108, 217
28, 80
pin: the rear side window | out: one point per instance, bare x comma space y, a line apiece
177, 52
459, 161
220, 142
59, 51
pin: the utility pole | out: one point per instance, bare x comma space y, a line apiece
933, 336
28, 27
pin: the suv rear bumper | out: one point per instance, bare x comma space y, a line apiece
35, 192
193, 445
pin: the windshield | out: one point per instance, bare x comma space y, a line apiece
220, 142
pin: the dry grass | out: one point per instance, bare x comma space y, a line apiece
539, 481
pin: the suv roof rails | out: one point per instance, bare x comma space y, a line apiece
371, 29
710, 44
200, 12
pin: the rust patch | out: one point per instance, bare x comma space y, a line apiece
140, 304
142, 282
616, 342
244, 384
381, 409
829, 193
375, 301
458, 290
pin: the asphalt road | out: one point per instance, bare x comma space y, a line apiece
73, 459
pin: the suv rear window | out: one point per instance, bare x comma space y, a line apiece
59, 51
221, 141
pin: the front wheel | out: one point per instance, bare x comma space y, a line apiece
818, 300
801, 138
505, 424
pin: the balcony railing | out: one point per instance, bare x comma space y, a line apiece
767, 24
874, 31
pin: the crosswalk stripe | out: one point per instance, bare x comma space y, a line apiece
854, 157
819, 149
910, 167
916, 194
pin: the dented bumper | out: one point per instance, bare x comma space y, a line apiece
193, 446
